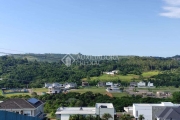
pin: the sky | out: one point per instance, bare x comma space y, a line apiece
91, 27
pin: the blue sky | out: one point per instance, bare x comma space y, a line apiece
91, 27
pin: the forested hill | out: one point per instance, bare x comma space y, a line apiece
18, 72
48, 57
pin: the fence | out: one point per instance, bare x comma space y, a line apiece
5, 115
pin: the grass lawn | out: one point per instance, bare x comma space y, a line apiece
119, 94
92, 89
1, 93
13, 94
38, 90
101, 90
150, 73
166, 89
127, 78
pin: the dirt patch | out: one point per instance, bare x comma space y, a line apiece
109, 94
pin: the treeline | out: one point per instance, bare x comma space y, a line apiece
23, 73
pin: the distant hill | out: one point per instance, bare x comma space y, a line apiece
48, 57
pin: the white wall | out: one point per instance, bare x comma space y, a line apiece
105, 110
28, 112
146, 111
65, 117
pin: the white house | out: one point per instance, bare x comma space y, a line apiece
109, 84
64, 113
70, 85
54, 89
150, 84
141, 84
31, 107
47, 85
149, 111
113, 88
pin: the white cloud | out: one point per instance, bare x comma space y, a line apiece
171, 12
172, 9
173, 2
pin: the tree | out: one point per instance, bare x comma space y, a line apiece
126, 117
141, 117
34, 94
106, 116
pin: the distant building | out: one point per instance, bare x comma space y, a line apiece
70, 86
150, 84
31, 107
47, 85
85, 84
113, 88
133, 84
141, 84
64, 113
101, 84
109, 84
112, 72
54, 89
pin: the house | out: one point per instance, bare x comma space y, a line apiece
109, 84
133, 84
31, 107
70, 85
63, 113
54, 89
47, 85
85, 84
141, 84
149, 111
113, 88
169, 113
101, 84
150, 84
112, 72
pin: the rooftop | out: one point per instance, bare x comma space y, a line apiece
76, 110
162, 104
108, 105
18, 103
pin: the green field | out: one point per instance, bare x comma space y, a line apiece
119, 94
1, 93
101, 90
92, 89
165, 89
14, 94
127, 78
38, 90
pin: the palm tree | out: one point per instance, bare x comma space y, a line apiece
106, 116
126, 117
141, 117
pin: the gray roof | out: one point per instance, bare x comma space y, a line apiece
169, 113
18, 103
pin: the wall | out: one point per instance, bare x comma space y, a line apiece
105, 110
146, 111
65, 117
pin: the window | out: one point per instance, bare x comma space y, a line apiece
136, 113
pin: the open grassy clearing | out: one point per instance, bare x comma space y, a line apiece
101, 90
162, 89
38, 90
127, 77
1, 93
15, 94
92, 89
